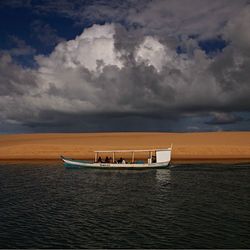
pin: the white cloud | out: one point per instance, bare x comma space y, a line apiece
152, 52
95, 44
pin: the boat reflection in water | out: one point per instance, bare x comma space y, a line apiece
163, 176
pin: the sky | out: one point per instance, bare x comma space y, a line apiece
130, 65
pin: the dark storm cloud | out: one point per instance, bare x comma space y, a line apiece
89, 122
138, 87
14, 80
224, 118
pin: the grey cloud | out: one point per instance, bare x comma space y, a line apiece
14, 80
134, 88
201, 17
224, 118
164, 18
127, 39
231, 68
137, 96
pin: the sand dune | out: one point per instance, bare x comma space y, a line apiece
187, 147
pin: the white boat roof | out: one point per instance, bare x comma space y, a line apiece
132, 150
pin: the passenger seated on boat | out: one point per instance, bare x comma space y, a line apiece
99, 159
153, 159
123, 162
120, 160
107, 160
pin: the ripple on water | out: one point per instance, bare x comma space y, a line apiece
46, 206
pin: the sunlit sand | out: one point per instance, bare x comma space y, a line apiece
215, 147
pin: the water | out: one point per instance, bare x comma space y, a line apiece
46, 206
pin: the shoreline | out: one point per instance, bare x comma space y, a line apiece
233, 161
188, 148
177, 162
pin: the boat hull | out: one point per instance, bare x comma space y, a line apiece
77, 164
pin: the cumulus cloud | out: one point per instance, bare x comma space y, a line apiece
111, 76
93, 50
152, 52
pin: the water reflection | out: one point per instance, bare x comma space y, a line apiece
163, 176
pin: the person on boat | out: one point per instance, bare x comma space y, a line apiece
120, 160
123, 161
99, 159
153, 159
107, 160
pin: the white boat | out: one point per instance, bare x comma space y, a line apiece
158, 158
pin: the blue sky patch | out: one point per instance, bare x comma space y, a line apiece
213, 45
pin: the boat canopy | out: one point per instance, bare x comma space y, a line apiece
131, 151
162, 155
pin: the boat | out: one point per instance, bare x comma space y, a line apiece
158, 159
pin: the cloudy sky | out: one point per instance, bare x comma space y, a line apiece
128, 65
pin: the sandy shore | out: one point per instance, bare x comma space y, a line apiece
215, 147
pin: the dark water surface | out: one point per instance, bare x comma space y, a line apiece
46, 206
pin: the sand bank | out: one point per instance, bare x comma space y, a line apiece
215, 147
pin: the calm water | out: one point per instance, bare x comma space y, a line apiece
46, 206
